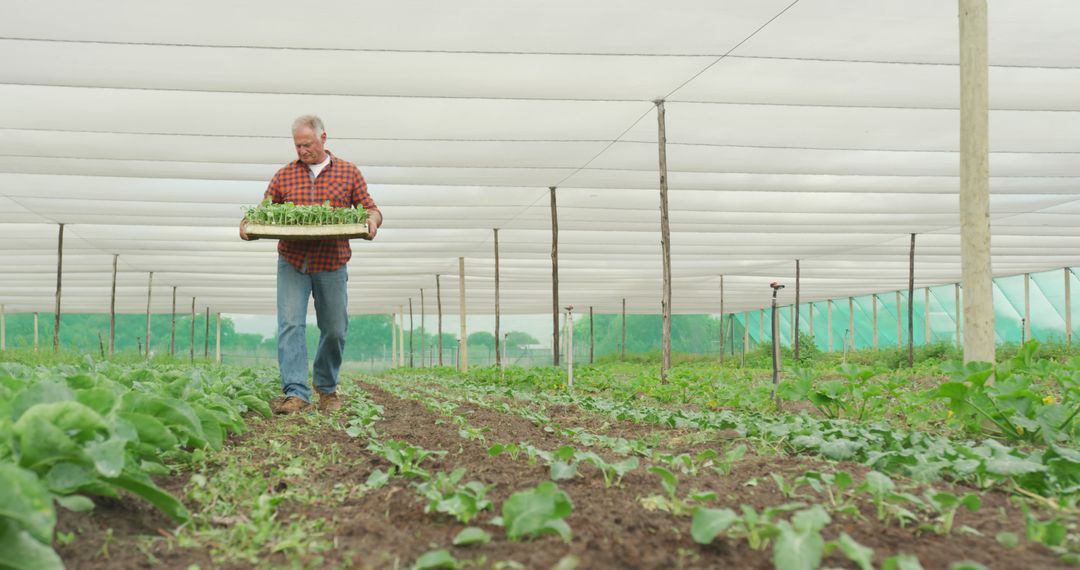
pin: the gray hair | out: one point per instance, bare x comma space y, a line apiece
311, 122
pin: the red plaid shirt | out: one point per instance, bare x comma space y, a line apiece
342, 184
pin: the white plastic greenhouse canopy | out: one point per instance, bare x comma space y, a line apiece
820, 130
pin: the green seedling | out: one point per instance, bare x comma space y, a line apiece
446, 494
407, 458
537, 511
946, 504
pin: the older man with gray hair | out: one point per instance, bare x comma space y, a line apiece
316, 269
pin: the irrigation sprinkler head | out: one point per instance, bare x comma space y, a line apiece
569, 308
776, 285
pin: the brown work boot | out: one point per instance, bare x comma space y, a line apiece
291, 405
329, 402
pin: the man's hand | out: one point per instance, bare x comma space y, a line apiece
243, 233
372, 229
373, 222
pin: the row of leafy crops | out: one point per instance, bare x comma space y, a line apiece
1051, 470
69, 432
289, 214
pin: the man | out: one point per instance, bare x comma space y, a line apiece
314, 268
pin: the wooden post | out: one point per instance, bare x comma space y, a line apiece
974, 185
774, 325
828, 321
438, 303
149, 293
911, 305
217, 342
35, 332
498, 353
927, 332
463, 353
112, 308
412, 363
592, 337
554, 279
960, 312
1027, 306
798, 287
423, 330
873, 301
206, 336
623, 345
1068, 309
172, 334
851, 322
570, 347
746, 332
899, 321
665, 246
191, 349
721, 319
59, 282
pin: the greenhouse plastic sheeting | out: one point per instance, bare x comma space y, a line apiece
820, 130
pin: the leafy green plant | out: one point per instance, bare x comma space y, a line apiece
404, 456
446, 494
946, 504
537, 511
671, 501
289, 214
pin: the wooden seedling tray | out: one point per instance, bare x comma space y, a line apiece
336, 231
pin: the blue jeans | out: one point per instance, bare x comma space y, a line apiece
332, 314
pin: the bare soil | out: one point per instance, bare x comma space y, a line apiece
387, 527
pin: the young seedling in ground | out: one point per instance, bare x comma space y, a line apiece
446, 495
946, 504
537, 511
673, 503
405, 457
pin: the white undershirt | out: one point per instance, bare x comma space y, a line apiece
317, 168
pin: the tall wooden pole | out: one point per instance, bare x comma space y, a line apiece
721, 319
665, 245
191, 349
59, 282
423, 330
149, 293
498, 353
873, 301
112, 308
1027, 306
928, 333
463, 353
960, 311
623, 345
570, 347
412, 363
554, 279
1068, 309
172, 334
746, 332
592, 337
851, 322
798, 291
975, 185
911, 305
206, 335
828, 321
217, 342
438, 304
